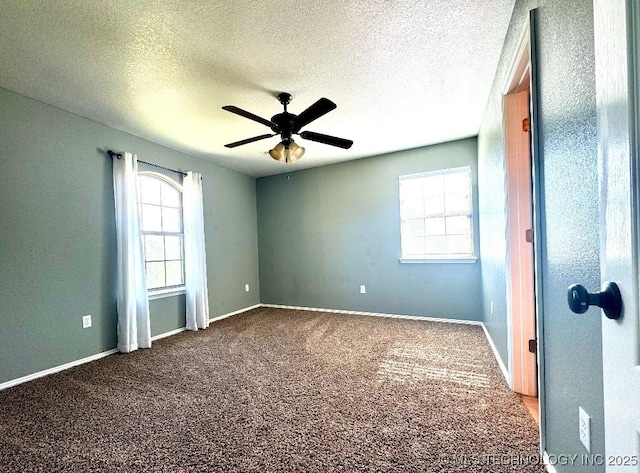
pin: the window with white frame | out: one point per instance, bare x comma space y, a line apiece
160, 200
436, 215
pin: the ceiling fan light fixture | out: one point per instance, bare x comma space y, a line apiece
287, 154
277, 153
296, 152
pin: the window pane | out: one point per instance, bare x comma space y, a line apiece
413, 246
155, 275
411, 208
457, 182
151, 218
173, 245
434, 205
434, 226
413, 228
411, 188
170, 195
458, 225
433, 185
149, 190
153, 248
436, 245
459, 245
171, 220
458, 203
174, 273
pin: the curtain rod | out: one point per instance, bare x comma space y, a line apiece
112, 153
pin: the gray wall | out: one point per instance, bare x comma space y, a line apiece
567, 118
325, 231
58, 233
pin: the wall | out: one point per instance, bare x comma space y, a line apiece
567, 119
325, 231
58, 233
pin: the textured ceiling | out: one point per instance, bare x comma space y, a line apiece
404, 73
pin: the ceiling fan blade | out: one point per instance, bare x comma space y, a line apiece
249, 140
249, 115
312, 113
326, 139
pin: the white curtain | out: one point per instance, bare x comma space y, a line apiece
195, 258
134, 327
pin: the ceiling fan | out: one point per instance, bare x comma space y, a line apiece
286, 125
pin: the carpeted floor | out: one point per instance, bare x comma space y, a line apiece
278, 390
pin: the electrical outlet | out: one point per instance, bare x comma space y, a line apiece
246, 288
363, 289
86, 321
585, 429
491, 307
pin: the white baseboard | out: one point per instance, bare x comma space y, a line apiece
168, 334
56, 369
547, 464
66, 366
224, 316
496, 355
375, 314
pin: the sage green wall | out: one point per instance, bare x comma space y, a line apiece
325, 231
58, 233
572, 350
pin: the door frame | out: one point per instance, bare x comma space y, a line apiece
539, 237
519, 197
528, 43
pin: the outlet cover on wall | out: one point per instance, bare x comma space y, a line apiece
585, 428
363, 289
246, 288
86, 321
491, 307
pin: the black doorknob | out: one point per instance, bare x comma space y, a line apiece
608, 299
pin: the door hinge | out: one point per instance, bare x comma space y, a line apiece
526, 124
528, 235
533, 346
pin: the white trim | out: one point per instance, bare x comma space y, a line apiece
56, 369
239, 311
154, 294
514, 76
66, 366
168, 334
503, 368
445, 259
375, 314
438, 172
545, 459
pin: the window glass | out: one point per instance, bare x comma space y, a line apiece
162, 231
436, 214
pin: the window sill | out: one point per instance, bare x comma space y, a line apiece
440, 259
166, 292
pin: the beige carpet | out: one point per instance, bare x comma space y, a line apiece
277, 390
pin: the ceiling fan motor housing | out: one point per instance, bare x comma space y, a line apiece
283, 124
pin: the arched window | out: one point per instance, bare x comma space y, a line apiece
162, 232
